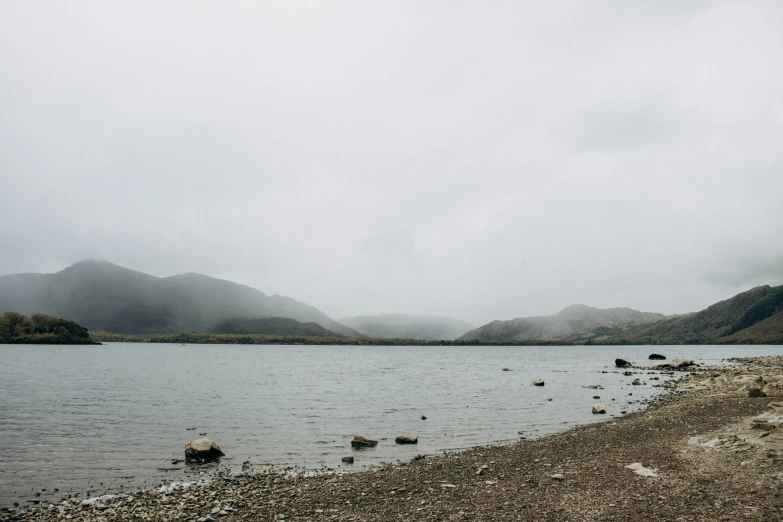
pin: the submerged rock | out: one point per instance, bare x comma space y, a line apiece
657, 357
622, 363
361, 442
404, 439
203, 449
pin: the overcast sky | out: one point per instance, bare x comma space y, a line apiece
482, 160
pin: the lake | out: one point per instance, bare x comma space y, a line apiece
93, 419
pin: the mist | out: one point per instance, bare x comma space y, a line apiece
472, 160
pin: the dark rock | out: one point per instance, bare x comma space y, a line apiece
506, 369
348, 460
361, 442
622, 363
538, 383
423, 417
404, 439
202, 449
755, 392
657, 357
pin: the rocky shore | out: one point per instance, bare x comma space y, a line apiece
713, 453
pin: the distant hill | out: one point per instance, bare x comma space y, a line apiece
407, 326
17, 328
104, 296
560, 325
269, 326
752, 317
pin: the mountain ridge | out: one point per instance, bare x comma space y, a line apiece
103, 296
569, 320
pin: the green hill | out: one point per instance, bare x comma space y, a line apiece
560, 325
752, 317
269, 326
407, 326
40, 329
104, 296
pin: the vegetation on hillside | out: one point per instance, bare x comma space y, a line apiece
279, 326
40, 329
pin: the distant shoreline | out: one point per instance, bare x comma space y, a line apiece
264, 339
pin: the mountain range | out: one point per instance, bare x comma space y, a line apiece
103, 296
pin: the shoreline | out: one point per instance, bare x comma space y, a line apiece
710, 464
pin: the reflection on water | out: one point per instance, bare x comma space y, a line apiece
104, 418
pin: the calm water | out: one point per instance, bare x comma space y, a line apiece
106, 418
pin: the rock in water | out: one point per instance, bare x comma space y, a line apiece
538, 383
348, 460
622, 363
636, 382
755, 392
599, 408
203, 449
361, 442
657, 357
404, 439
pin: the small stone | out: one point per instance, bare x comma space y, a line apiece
538, 383
506, 369
348, 460
599, 408
558, 476
755, 392
405, 439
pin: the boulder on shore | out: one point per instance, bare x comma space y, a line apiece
622, 363
203, 449
676, 364
361, 442
599, 408
755, 392
657, 357
404, 439
538, 383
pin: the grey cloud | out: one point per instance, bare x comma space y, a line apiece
464, 159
